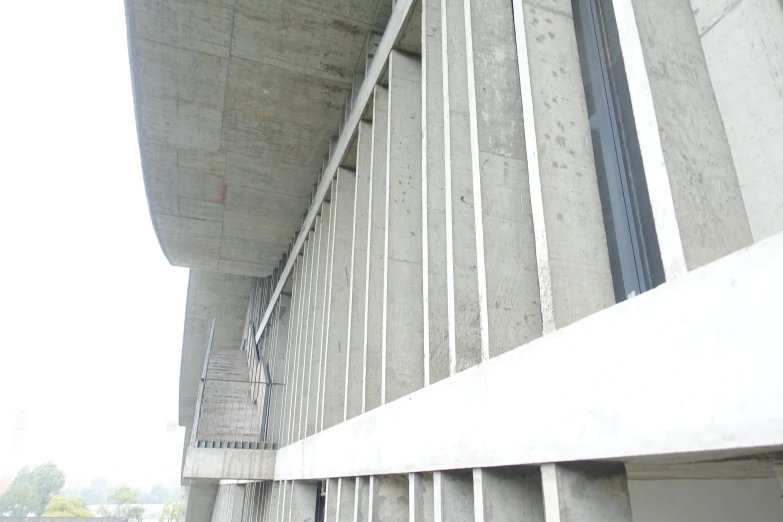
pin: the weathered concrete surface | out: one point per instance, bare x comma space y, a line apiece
374, 319
338, 320
743, 45
197, 501
345, 507
585, 492
403, 322
453, 496
389, 499
725, 312
509, 494
421, 501
229, 464
694, 192
354, 378
235, 105
222, 297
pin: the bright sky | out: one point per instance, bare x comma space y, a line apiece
91, 312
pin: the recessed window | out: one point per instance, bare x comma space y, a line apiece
630, 231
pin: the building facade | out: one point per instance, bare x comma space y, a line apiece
480, 260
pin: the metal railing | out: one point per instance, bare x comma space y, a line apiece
231, 413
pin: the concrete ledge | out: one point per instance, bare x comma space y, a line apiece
692, 367
212, 464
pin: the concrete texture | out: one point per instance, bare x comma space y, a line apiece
453, 496
436, 326
222, 297
347, 497
375, 255
695, 195
743, 46
332, 501
303, 388
283, 318
197, 501
389, 499
462, 262
235, 104
743, 500
313, 395
576, 254
223, 464
585, 492
513, 314
403, 319
301, 502
354, 376
290, 372
338, 320
421, 501
362, 503
724, 313
509, 494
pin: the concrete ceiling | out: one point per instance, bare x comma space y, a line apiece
236, 102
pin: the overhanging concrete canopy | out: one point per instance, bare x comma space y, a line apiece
236, 103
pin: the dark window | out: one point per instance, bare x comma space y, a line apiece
630, 231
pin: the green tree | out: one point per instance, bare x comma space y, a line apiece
170, 511
60, 506
97, 492
31, 489
122, 503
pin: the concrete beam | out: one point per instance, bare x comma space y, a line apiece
724, 313
215, 464
403, 321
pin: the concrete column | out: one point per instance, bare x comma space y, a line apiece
464, 279
586, 493
343, 195
420, 494
270, 507
314, 397
361, 511
347, 497
507, 494
575, 278
436, 324
694, 193
389, 498
403, 336
312, 350
505, 246
301, 507
453, 496
332, 500
354, 383
374, 316
305, 343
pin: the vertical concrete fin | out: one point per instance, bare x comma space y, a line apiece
453, 496
505, 246
313, 409
585, 492
345, 508
435, 309
389, 498
335, 356
403, 339
371, 397
691, 179
420, 495
361, 510
314, 331
307, 334
354, 377
508, 494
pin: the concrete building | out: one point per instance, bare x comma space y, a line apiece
478, 260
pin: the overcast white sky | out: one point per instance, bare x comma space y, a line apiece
91, 313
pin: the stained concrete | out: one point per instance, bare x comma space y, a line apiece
235, 104
509, 494
453, 496
389, 499
585, 492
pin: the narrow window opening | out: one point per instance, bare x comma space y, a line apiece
630, 231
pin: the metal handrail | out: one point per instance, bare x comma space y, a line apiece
201, 384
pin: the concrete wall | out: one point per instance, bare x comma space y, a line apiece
738, 500
743, 45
